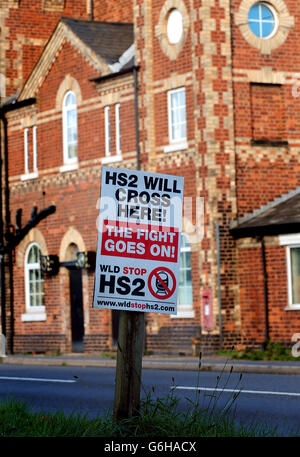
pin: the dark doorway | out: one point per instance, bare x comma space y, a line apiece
77, 327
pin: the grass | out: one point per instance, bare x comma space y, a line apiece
158, 417
273, 351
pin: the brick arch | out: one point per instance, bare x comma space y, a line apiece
34, 236
69, 83
72, 236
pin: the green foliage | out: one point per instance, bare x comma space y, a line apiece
158, 417
273, 351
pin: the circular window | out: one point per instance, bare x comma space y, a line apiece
262, 20
174, 26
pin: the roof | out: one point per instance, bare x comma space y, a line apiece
278, 217
107, 46
107, 39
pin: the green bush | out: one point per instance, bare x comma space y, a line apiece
273, 351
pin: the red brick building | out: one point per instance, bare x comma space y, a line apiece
204, 90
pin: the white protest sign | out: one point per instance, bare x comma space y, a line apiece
138, 251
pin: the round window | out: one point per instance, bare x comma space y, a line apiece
174, 26
262, 20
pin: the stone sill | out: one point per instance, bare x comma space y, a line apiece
176, 147
111, 159
34, 317
28, 176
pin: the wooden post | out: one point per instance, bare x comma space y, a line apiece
129, 364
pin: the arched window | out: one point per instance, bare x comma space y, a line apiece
34, 283
70, 128
185, 290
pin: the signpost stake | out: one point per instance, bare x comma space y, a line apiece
129, 364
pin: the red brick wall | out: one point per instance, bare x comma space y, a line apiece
282, 323
75, 195
29, 26
267, 112
121, 11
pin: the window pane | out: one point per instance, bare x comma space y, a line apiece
255, 28
295, 270
71, 118
178, 115
70, 99
183, 131
254, 12
266, 13
267, 28
70, 127
185, 291
72, 151
34, 255
32, 300
34, 278
185, 296
261, 20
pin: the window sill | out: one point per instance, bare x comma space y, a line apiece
181, 314
69, 167
292, 308
34, 317
176, 147
111, 159
28, 176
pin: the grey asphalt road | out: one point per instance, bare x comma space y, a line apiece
265, 398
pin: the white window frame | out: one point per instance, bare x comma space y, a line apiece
109, 158
69, 160
33, 313
290, 279
185, 310
30, 174
260, 21
118, 129
34, 143
182, 139
290, 241
26, 149
107, 130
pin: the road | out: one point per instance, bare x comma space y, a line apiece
266, 398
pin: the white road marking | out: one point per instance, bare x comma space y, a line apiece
242, 391
12, 378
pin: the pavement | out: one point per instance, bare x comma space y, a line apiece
158, 362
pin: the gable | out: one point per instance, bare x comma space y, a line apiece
62, 34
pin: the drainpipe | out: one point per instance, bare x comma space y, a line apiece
219, 284
266, 299
92, 10
7, 233
2, 280
136, 116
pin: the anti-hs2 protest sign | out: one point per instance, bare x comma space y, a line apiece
138, 251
